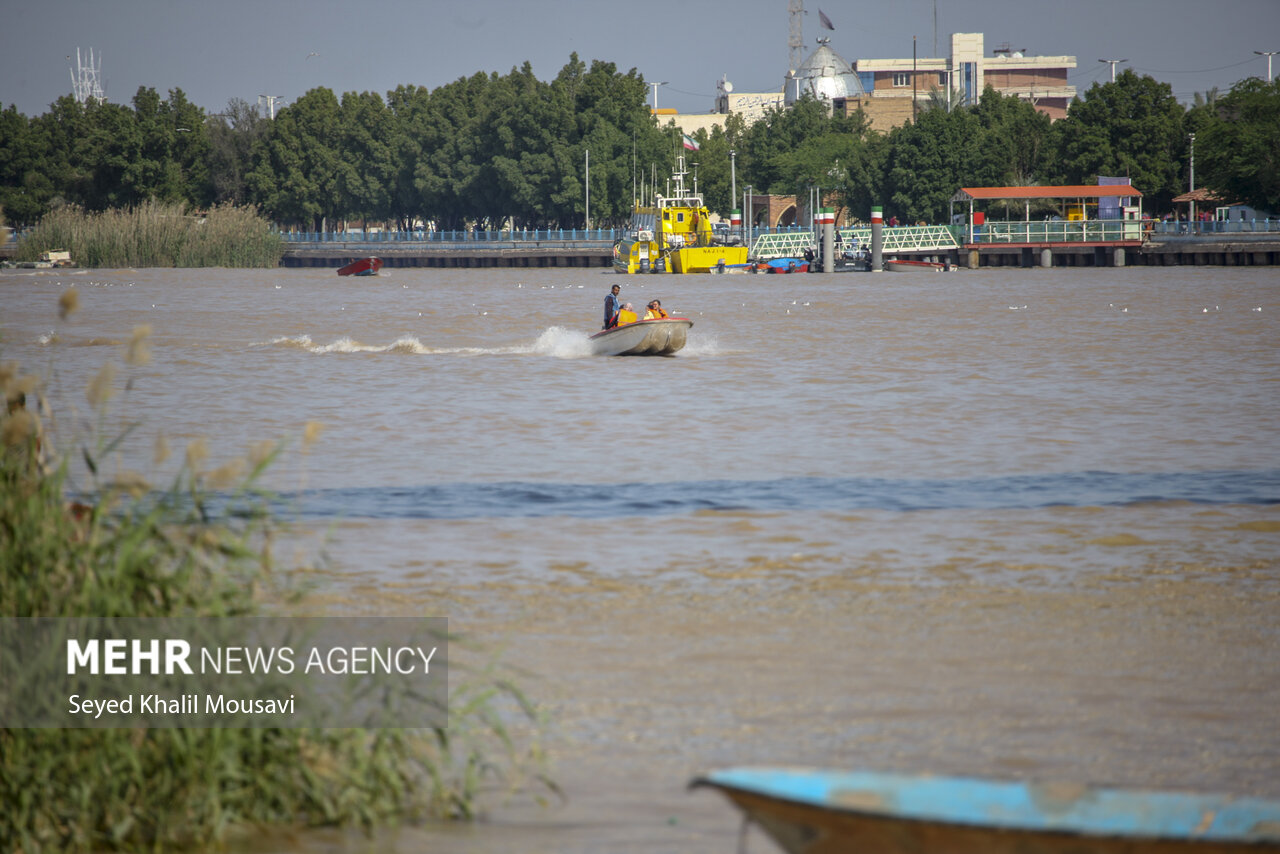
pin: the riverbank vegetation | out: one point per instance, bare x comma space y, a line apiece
103, 542
156, 234
491, 149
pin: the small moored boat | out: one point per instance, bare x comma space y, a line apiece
643, 338
783, 265
362, 267
815, 811
903, 265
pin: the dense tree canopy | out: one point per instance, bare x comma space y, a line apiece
1238, 147
1133, 128
491, 149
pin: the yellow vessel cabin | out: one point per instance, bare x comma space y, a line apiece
674, 235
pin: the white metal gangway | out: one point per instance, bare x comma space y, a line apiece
902, 238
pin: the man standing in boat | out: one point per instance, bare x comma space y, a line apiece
612, 305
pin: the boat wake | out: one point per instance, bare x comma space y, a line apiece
406, 345
555, 341
561, 343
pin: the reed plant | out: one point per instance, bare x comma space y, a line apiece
156, 234
117, 547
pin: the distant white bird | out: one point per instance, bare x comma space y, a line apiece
313, 53
1259, 308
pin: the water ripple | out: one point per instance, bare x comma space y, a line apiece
517, 499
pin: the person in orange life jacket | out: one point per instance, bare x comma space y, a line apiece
627, 315
611, 307
655, 311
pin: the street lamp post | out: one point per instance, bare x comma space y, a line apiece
1114, 63
1268, 54
655, 94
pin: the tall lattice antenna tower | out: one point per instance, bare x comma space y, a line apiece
796, 40
86, 79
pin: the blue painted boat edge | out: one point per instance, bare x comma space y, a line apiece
1029, 806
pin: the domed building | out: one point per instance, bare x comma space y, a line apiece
826, 76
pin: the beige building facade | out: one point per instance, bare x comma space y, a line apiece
892, 91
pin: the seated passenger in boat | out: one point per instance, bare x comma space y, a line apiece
627, 315
655, 311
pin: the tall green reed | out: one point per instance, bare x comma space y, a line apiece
119, 547
156, 234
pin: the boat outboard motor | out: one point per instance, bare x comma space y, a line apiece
644, 265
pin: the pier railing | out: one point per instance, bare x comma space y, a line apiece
485, 239
902, 238
461, 239
1211, 227
1058, 231
1108, 230
792, 241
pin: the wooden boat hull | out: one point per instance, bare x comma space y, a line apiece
812, 811
643, 338
904, 266
362, 267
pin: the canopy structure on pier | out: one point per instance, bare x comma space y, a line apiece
1078, 195
1078, 192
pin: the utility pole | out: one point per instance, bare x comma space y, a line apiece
913, 79
1268, 54
588, 170
1192, 217
733, 175
1114, 63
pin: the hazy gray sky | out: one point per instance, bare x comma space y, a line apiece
216, 50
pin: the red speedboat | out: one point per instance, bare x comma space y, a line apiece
362, 267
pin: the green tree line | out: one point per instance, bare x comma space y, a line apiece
488, 149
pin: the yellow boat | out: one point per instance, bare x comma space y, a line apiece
674, 235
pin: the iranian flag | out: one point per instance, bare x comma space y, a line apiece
689, 143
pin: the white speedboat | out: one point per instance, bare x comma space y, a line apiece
642, 338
